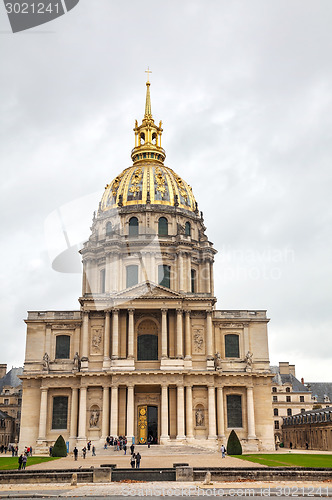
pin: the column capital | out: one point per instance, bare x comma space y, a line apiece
208, 312
115, 309
164, 310
179, 311
130, 385
131, 310
44, 389
187, 313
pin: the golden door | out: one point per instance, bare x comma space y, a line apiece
142, 424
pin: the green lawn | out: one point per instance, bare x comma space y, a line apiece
10, 463
289, 459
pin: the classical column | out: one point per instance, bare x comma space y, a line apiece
73, 413
188, 273
107, 334
188, 335
179, 334
220, 412
212, 412
115, 334
85, 335
207, 277
164, 333
211, 278
131, 333
251, 413
82, 414
130, 412
189, 412
209, 335
108, 274
114, 411
106, 411
43, 414
180, 272
164, 412
180, 412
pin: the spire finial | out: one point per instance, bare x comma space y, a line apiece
148, 113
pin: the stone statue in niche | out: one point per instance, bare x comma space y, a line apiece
94, 418
217, 361
46, 362
199, 417
248, 360
77, 362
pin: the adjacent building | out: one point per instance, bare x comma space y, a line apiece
147, 355
321, 393
289, 396
11, 397
309, 430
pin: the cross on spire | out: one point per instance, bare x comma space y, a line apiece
148, 72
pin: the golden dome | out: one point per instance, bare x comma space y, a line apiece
149, 183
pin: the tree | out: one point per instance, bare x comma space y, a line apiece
59, 449
233, 444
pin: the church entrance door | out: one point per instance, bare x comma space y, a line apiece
147, 424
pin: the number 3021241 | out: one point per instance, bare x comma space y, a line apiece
32, 8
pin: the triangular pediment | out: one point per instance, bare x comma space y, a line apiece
147, 290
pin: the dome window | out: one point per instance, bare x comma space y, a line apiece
232, 346
133, 226
131, 276
163, 226
102, 280
142, 138
109, 229
164, 276
187, 229
62, 347
154, 138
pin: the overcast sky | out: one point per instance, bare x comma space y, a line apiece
244, 92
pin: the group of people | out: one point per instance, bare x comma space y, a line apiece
119, 443
11, 448
22, 461
89, 447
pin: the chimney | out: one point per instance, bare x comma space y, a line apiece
3, 370
302, 381
292, 370
283, 367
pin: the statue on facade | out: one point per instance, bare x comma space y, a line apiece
199, 416
217, 361
248, 360
77, 362
94, 418
46, 362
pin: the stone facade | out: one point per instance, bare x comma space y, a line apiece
147, 355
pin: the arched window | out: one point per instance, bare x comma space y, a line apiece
60, 412
187, 229
164, 276
274, 389
234, 410
133, 226
162, 226
232, 346
62, 347
287, 389
102, 281
131, 276
193, 280
147, 341
109, 229
275, 412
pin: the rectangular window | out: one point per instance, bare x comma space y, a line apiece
232, 346
276, 424
234, 411
288, 399
62, 347
193, 281
275, 398
131, 276
6, 401
164, 276
60, 412
289, 412
301, 399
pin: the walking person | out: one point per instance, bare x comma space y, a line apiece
93, 451
125, 448
24, 461
84, 452
132, 448
223, 451
132, 460
20, 462
138, 460
75, 452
